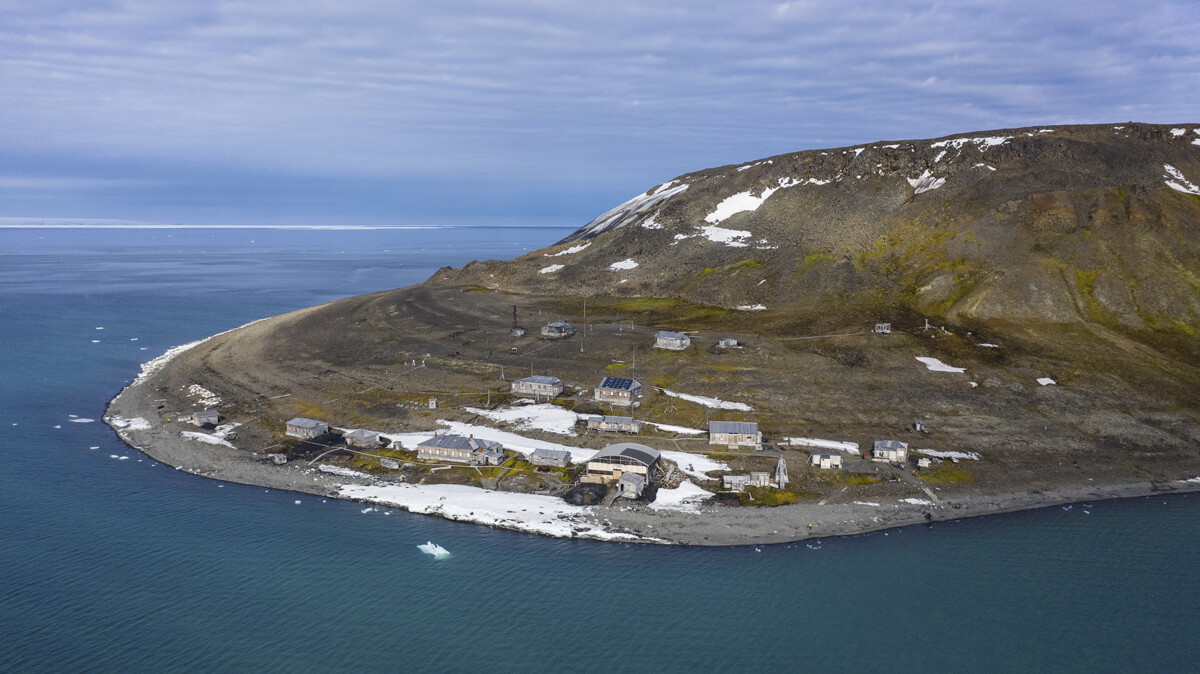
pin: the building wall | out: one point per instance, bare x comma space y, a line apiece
444, 454
733, 439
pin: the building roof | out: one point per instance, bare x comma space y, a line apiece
635, 479
207, 414
559, 324
551, 453
306, 423
542, 379
667, 334
618, 383
890, 444
617, 420
361, 433
630, 450
738, 427
825, 453
459, 442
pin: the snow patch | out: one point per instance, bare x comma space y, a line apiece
627, 263
738, 203
569, 251
206, 438
714, 403
1183, 185
938, 366
867, 503
626, 212
916, 501
344, 472
684, 498
668, 428
543, 417
551, 269
204, 396
1175, 133
981, 143
962, 456
696, 465
751, 307
841, 445
925, 182
134, 424
1046, 381
652, 222
730, 237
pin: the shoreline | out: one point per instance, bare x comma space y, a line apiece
697, 525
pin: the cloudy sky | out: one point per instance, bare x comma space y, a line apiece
536, 112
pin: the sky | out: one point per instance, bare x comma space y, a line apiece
525, 112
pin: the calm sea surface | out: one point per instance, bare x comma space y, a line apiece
120, 564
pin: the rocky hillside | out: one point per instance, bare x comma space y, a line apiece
1068, 224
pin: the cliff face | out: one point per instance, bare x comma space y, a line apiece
1069, 224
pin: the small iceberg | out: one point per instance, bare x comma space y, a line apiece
431, 548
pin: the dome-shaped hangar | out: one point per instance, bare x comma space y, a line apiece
624, 457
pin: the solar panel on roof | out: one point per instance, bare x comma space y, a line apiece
617, 383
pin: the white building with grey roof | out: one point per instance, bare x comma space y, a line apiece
538, 386
891, 451
618, 391
457, 449
673, 341
307, 429
734, 433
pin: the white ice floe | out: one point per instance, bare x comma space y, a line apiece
735, 238
867, 503
738, 203
841, 445
938, 366
205, 438
714, 403
916, 501
134, 424
632, 209
431, 548
627, 263
981, 143
925, 182
1183, 185
532, 513
1046, 381
517, 443
344, 472
937, 454
696, 465
544, 417
668, 428
82, 420
569, 251
551, 269
751, 307
684, 498
95, 341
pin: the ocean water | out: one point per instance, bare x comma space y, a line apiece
121, 564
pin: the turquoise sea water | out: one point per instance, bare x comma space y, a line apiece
110, 564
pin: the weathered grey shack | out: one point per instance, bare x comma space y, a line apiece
734, 433
891, 451
362, 439
826, 459
457, 449
735, 482
613, 461
550, 457
673, 341
306, 428
538, 386
630, 485
558, 330
206, 417
610, 423
618, 391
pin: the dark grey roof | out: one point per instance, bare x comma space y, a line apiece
551, 453
633, 478
306, 423
738, 427
361, 433
825, 452
619, 383
890, 444
640, 453
559, 324
207, 414
618, 420
542, 379
459, 442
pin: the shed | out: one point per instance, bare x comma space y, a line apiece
538, 386
550, 457
883, 329
457, 449
558, 330
674, 341
390, 464
826, 459
735, 482
892, 451
614, 461
630, 485
306, 428
610, 423
206, 417
618, 391
361, 438
924, 462
734, 433
760, 478
727, 343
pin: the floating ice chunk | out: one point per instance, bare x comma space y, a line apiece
123, 458
100, 328
551, 269
628, 263
569, 251
431, 548
925, 182
938, 366
94, 447
1046, 381
1183, 185
58, 426
133, 339
95, 341
297, 503
82, 420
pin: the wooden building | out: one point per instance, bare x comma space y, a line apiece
735, 482
550, 457
826, 459
891, 451
734, 433
613, 461
362, 439
727, 343
618, 391
206, 417
630, 485
457, 449
306, 428
558, 330
674, 341
538, 387
760, 478
610, 423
